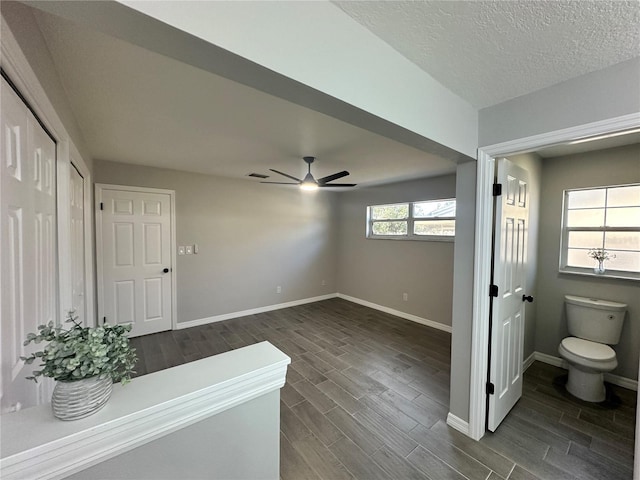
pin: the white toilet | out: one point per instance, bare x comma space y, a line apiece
594, 324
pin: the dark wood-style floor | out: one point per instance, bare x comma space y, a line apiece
367, 396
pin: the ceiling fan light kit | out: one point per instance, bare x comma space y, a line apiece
309, 183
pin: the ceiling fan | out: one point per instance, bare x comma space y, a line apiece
310, 183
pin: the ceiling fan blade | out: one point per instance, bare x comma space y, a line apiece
330, 178
282, 183
338, 185
286, 175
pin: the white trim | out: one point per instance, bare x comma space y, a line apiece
99, 187
397, 313
81, 166
138, 413
528, 362
608, 377
458, 423
482, 255
252, 311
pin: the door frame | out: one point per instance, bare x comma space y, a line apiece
99, 187
482, 249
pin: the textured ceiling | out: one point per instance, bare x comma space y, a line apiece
491, 51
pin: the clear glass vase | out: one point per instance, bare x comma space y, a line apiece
599, 269
80, 398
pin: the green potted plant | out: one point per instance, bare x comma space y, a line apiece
84, 361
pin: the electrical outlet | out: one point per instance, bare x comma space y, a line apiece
278, 289
323, 283
181, 250
195, 248
405, 297
188, 250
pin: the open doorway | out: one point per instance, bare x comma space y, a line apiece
483, 246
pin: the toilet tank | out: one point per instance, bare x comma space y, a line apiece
596, 320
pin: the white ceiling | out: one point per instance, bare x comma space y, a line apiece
136, 106
491, 51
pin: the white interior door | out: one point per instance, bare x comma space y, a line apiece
76, 200
28, 238
135, 253
510, 263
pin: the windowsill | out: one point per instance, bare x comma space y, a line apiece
449, 239
609, 274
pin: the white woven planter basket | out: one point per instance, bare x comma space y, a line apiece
80, 398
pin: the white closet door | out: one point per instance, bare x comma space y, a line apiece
28, 237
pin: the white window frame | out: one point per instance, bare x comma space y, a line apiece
410, 219
610, 271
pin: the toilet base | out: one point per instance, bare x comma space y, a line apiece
586, 385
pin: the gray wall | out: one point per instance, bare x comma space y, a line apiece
23, 25
606, 167
240, 443
462, 316
600, 95
532, 163
380, 271
251, 238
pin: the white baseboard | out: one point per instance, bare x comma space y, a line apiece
397, 313
528, 361
252, 311
458, 424
608, 377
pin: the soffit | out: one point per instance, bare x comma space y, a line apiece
136, 106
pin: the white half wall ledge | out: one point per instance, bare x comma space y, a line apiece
37, 445
397, 313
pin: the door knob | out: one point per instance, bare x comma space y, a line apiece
165, 270
527, 298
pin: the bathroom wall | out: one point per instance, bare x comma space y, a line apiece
605, 167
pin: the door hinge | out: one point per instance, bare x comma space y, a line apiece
493, 290
497, 189
490, 388
104, 320
101, 206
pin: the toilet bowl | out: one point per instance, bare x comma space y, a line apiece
588, 361
594, 325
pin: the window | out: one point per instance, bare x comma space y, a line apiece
430, 220
604, 217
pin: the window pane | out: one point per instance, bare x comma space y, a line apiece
623, 217
624, 196
586, 198
585, 240
625, 261
390, 212
622, 241
585, 218
435, 227
434, 209
580, 258
389, 228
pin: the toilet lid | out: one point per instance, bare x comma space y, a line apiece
588, 350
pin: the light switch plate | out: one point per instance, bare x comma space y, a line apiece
188, 249
180, 250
